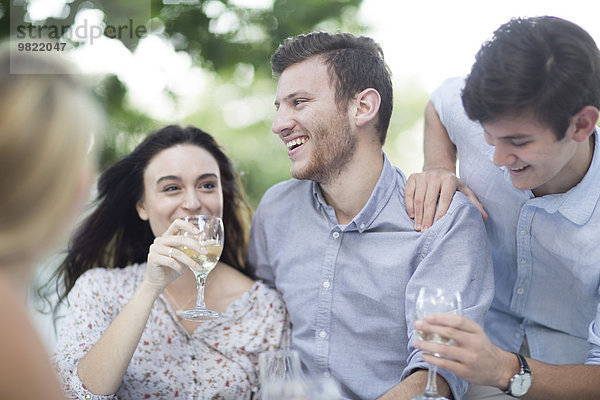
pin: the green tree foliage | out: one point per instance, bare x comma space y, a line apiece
233, 44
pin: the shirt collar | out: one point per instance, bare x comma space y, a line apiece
579, 202
379, 197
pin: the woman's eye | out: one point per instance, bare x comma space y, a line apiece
208, 186
520, 144
297, 102
170, 188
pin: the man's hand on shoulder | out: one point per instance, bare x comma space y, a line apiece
435, 187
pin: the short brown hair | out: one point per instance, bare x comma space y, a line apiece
355, 63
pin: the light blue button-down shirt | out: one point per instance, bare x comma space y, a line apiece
545, 250
350, 289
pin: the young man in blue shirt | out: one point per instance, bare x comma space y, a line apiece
523, 125
331, 239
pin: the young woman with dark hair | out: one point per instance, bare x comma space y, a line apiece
124, 276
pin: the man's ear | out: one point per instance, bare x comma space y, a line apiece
140, 206
585, 122
367, 106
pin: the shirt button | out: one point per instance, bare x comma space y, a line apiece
326, 284
362, 226
518, 335
322, 334
336, 235
523, 261
88, 396
520, 290
523, 232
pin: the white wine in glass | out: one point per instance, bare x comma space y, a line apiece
210, 235
433, 337
435, 301
206, 260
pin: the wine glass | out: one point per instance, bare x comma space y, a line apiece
322, 388
281, 378
210, 234
302, 389
279, 374
278, 365
435, 301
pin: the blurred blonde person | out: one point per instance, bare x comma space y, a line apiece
46, 171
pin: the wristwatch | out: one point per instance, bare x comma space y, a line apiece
520, 382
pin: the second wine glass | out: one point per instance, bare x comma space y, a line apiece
209, 232
435, 301
282, 378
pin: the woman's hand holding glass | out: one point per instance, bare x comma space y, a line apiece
166, 262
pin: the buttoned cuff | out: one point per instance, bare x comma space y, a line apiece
457, 385
594, 341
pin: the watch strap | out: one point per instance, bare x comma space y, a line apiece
524, 370
523, 362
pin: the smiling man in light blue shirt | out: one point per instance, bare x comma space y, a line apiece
524, 127
337, 241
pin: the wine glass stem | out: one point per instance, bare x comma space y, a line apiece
200, 282
431, 380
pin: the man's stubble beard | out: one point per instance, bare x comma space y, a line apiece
331, 152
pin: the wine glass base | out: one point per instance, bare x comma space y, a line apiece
429, 396
198, 315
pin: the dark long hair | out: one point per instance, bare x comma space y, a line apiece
114, 236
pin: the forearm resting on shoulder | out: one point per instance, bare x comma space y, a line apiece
438, 179
413, 385
429, 193
440, 152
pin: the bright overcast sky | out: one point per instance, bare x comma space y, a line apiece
435, 39
423, 41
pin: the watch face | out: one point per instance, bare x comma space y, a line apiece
520, 384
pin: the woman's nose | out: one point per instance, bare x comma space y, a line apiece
192, 201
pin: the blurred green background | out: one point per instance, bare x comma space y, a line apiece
229, 45
206, 63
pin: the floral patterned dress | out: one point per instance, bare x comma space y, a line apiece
217, 361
